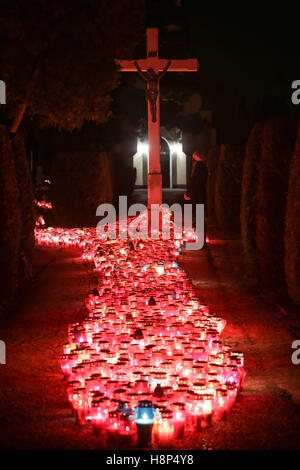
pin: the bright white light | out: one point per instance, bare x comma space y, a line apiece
176, 148
142, 147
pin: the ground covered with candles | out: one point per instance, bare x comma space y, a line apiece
136, 328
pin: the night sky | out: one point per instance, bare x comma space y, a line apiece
252, 47
247, 54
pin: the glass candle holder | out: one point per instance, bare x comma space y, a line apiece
220, 404
127, 428
165, 428
179, 419
79, 402
99, 415
113, 425
144, 417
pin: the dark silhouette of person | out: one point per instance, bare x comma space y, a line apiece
196, 191
152, 78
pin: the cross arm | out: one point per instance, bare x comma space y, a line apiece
184, 65
128, 65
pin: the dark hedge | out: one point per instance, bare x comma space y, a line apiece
249, 202
277, 144
80, 182
212, 166
228, 187
10, 222
26, 201
292, 226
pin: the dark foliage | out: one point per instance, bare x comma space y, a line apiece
81, 181
58, 57
292, 226
26, 202
228, 187
124, 178
10, 222
212, 165
249, 201
277, 144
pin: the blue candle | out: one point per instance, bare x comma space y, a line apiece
144, 417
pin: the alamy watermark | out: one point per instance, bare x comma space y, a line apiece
296, 354
159, 221
296, 94
2, 352
2, 92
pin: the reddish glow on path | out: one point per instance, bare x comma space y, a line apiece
146, 339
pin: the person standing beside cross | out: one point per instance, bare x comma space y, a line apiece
152, 79
196, 190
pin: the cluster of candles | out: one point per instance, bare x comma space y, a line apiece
43, 205
147, 363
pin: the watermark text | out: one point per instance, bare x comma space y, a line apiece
159, 221
296, 354
2, 352
296, 94
2, 92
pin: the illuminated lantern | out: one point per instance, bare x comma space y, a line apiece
73, 385
207, 410
124, 408
79, 403
67, 362
120, 394
127, 428
141, 386
160, 269
113, 424
165, 428
220, 402
239, 358
79, 335
232, 375
99, 415
201, 409
134, 399
179, 419
144, 417
232, 393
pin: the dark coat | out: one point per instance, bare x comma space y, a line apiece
197, 185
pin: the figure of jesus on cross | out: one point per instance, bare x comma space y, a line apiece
152, 69
152, 85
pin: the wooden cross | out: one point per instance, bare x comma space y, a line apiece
143, 66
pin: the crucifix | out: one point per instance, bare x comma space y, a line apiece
152, 69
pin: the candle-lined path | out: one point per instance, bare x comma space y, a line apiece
149, 353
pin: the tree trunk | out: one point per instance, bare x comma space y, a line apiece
19, 116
